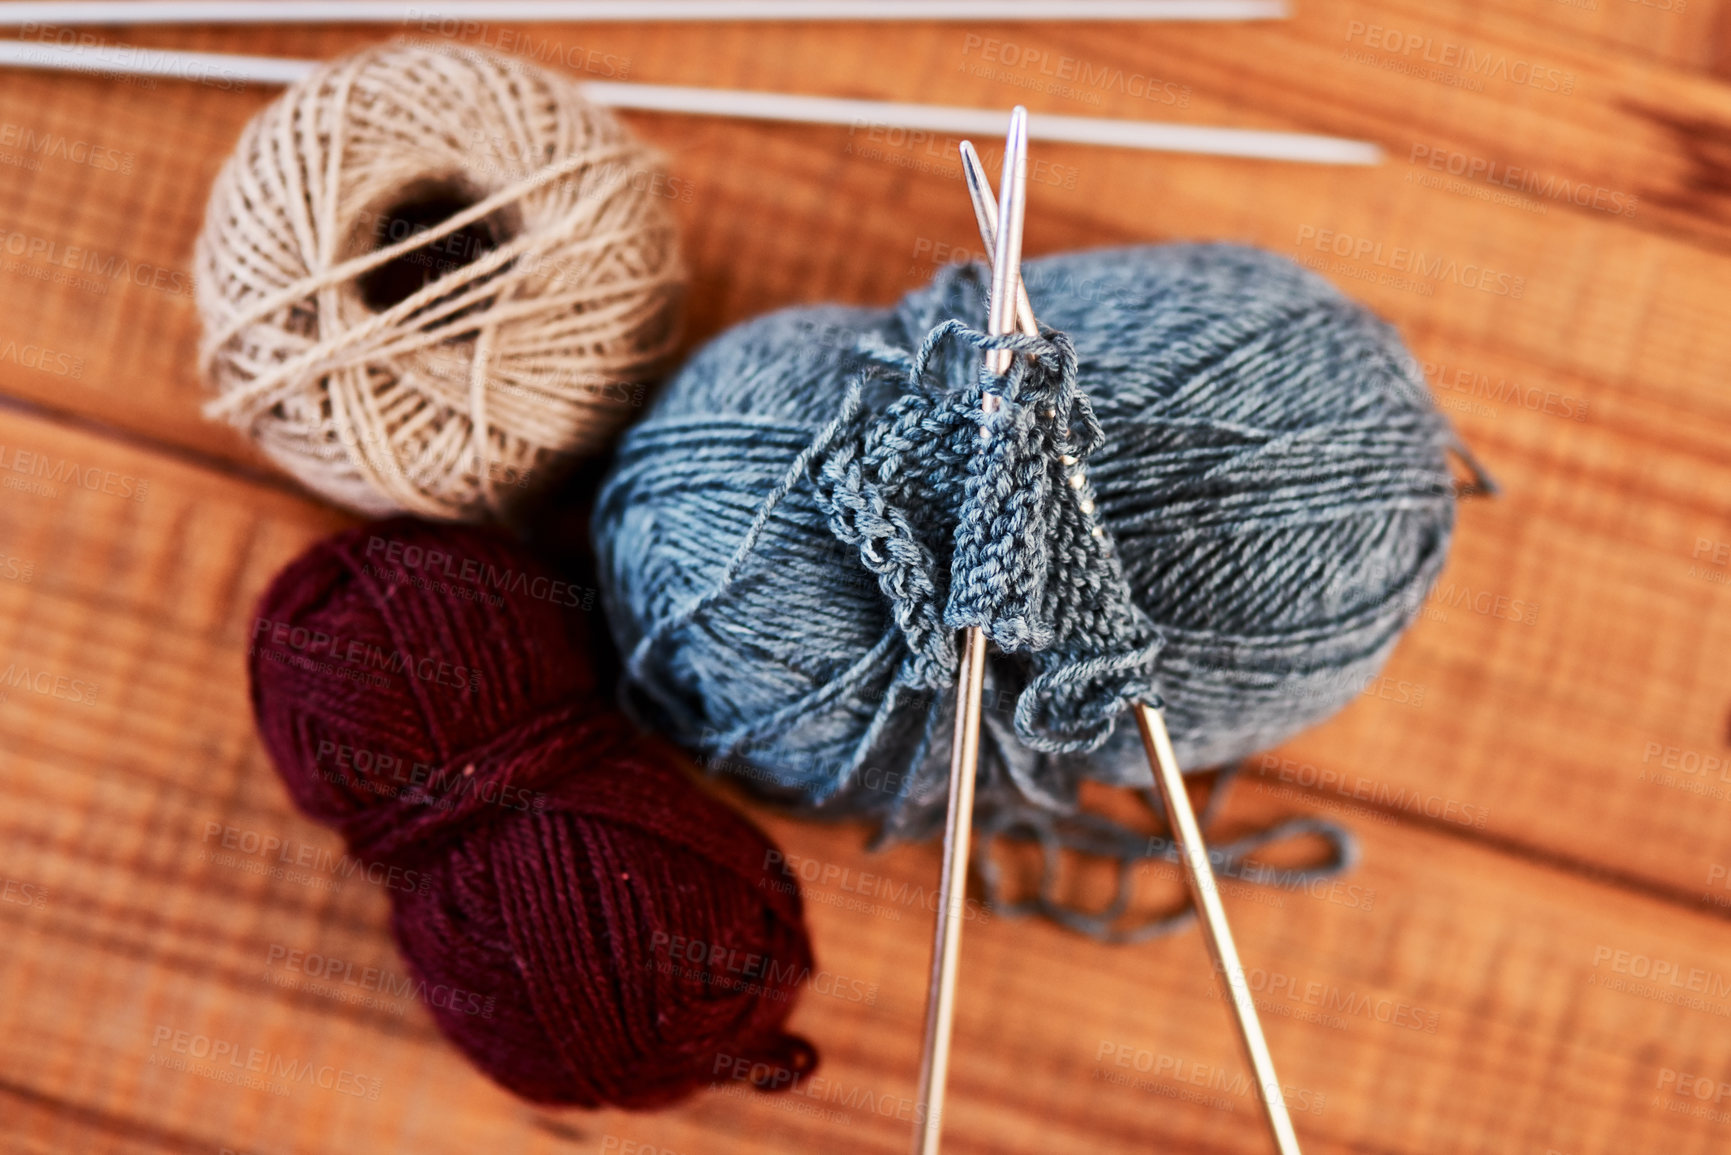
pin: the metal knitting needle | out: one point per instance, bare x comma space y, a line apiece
986, 213
965, 746
1186, 831
228, 70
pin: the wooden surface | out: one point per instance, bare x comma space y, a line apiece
1472, 989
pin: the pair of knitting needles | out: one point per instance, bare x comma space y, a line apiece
1010, 310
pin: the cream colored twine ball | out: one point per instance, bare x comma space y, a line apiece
428, 274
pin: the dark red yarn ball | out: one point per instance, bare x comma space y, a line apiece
589, 926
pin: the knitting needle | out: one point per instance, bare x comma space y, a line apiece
594, 11
1186, 831
871, 119
986, 214
970, 682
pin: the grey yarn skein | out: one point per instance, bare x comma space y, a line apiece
790, 538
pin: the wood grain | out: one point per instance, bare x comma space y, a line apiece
1537, 780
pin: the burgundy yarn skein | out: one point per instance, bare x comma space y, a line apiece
584, 922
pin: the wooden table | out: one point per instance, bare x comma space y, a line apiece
1534, 954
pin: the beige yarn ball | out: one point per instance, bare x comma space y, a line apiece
429, 274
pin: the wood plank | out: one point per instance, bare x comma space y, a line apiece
1445, 993
1600, 517
1539, 780
139, 222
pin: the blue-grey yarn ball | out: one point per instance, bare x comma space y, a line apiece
1214, 482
